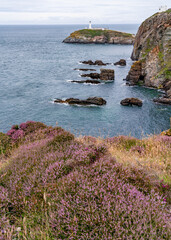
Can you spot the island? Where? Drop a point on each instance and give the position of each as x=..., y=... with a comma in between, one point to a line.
x=100, y=36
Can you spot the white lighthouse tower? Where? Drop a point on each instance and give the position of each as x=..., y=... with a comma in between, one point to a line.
x=90, y=27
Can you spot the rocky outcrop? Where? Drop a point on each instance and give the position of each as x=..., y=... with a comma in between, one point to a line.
x=84, y=69
x=87, y=81
x=121, y=62
x=152, y=53
x=131, y=101
x=100, y=36
x=105, y=75
x=91, y=75
x=89, y=101
x=163, y=100
x=97, y=62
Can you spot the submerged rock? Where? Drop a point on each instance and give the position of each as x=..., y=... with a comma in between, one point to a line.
x=87, y=81
x=121, y=62
x=131, y=101
x=89, y=101
x=85, y=69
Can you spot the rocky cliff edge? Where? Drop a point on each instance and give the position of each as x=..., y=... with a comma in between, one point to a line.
x=152, y=53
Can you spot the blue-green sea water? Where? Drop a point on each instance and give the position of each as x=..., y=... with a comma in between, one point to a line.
x=35, y=68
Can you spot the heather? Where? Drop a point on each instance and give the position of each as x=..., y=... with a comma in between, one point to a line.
x=56, y=186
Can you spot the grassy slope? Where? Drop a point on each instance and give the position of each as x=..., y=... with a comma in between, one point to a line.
x=56, y=186
x=90, y=33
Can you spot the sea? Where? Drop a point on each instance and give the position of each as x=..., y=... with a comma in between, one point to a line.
x=36, y=67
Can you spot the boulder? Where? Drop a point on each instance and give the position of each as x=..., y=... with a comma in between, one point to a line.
x=131, y=101
x=107, y=74
x=87, y=81
x=121, y=62
x=89, y=101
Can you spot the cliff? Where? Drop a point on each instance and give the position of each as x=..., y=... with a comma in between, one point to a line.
x=100, y=36
x=152, y=53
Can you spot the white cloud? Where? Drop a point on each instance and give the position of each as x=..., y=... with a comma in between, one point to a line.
x=74, y=11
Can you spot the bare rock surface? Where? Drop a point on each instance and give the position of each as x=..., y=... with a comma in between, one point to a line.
x=89, y=101
x=105, y=75
x=131, y=101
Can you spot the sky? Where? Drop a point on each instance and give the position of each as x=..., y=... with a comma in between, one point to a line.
x=77, y=11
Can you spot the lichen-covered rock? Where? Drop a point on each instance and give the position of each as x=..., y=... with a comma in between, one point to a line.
x=131, y=101
x=100, y=36
x=152, y=51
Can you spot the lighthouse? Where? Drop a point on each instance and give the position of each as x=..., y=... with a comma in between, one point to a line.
x=90, y=27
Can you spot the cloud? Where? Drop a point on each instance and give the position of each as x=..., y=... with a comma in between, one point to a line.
x=76, y=11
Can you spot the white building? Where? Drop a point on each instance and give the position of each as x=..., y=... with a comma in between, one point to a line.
x=163, y=8
x=90, y=27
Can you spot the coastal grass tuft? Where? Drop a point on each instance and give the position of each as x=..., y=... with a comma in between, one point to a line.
x=56, y=186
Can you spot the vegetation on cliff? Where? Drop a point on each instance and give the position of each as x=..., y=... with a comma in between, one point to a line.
x=56, y=186
x=99, y=36
x=152, y=49
x=93, y=32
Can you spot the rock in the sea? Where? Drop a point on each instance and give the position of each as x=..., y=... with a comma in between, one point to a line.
x=131, y=101
x=97, y=62
x=91, y=75
x=85, y=69
x=89, y=101
x=163, y=100
x=87, y=81
x=89, y=62
x=87, y=36
x=121, y=62
x=152, y=53
x=135, y=74
x=105, y=75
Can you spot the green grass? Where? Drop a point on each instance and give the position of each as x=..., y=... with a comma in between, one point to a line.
x=95, y=32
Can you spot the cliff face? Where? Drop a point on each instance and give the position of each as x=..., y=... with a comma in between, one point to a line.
x=152, y=51
x=100, y=36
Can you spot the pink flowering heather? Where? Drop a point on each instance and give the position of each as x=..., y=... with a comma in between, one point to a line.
x=55, y=187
